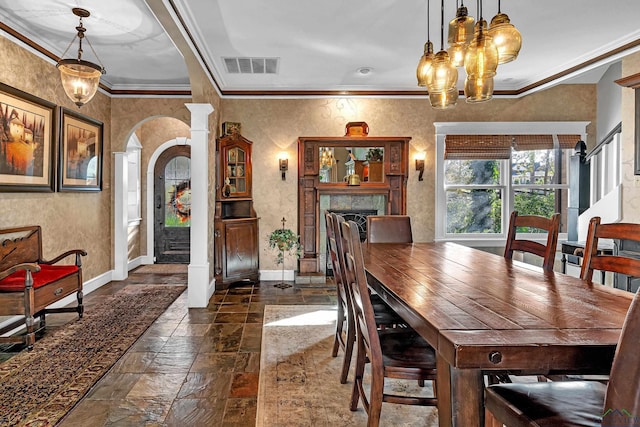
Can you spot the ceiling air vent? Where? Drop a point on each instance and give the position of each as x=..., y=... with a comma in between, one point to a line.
x=251, y=65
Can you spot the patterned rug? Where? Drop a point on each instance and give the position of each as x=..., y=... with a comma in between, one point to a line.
x=39, y=387
x=299, y=380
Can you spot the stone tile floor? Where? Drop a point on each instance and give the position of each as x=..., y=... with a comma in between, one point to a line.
x=192, y=367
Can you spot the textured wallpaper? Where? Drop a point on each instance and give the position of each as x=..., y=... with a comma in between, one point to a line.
x=274, y=126
x=72, y=219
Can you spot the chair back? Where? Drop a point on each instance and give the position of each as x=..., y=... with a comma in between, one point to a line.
x=336, y=254
x=357, y=282
x=616, y=263
x=548, y=251
x=389, y=229
x=623, y=390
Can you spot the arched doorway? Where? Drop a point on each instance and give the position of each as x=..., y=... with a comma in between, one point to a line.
x=172, y=205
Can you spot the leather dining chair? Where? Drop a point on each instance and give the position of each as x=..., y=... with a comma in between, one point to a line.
x=548, y=251
x=392, y=352
x=576, y=403
x=389, y=229
x=345, y=333
x=614, y=263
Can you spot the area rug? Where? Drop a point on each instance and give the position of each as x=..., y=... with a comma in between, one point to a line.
x=299, y=380
x=39, y=387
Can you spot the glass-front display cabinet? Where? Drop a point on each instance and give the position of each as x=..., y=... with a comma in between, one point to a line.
x=235, y=221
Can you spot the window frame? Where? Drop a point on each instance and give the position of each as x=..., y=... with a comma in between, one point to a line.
x=505, y=184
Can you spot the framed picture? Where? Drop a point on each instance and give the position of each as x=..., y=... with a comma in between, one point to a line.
x=230, y=128
x=27, y=138
x=80, y=157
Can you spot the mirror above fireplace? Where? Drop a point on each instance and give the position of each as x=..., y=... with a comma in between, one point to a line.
x=338, y=162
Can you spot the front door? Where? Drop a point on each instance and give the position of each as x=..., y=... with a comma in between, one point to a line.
x=172, y=201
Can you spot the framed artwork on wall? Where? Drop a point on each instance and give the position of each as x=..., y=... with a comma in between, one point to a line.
x=27, y=138
x=80, y=157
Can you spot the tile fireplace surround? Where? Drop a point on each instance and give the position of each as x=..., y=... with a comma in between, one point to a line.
x=352, y=207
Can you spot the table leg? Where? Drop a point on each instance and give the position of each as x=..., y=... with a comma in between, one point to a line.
x=460, y=395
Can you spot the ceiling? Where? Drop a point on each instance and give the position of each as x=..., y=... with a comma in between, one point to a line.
x=321, y=47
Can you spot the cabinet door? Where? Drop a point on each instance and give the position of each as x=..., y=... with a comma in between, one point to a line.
x=241, y=248
x=236, y=170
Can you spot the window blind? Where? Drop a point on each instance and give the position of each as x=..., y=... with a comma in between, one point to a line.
x=479, y=147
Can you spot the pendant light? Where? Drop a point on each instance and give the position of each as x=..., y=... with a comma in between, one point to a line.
x=424, y=65
x=506, y=37
x=443, y=75
x=460, y=34
x=480, y=63
x=80, y=78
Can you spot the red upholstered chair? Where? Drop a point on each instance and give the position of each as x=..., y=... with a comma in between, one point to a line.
x=392, y=352
x=389, y=229
x=615, y=263
x=576, y=403
x=548, y=251
x=345, y=334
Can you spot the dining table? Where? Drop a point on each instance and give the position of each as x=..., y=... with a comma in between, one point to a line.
x=484, y=314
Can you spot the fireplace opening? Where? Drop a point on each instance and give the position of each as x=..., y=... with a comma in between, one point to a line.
x=359, y=216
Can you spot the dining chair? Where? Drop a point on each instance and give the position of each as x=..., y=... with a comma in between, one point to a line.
x=548, y=251
x=576, y=403
x=389, y=229
x=345, y=335
x=616, y=263
x=392, y=352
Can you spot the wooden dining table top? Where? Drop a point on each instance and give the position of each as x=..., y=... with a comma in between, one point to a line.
x=482, y=312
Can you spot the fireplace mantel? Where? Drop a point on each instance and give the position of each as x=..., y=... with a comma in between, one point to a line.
x=393, y=186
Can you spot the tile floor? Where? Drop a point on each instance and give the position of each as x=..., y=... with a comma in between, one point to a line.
x=192, y=367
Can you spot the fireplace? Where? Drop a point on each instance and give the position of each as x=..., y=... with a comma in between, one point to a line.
x=317, y=195
x=355, y=215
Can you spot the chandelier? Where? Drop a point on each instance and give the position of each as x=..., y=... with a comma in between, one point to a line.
x=80, y=78
x=476, y=47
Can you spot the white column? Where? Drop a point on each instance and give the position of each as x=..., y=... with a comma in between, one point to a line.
x=199, y=287
x=120, y=245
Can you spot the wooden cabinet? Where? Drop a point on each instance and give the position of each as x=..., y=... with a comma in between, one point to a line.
x=235, y=221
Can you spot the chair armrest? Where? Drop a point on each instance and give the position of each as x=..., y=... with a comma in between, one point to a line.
x=24, y=266
x=77, y=252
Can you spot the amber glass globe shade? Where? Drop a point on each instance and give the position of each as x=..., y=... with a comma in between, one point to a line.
x=478, y=89
x=444, y=100
x=424, y=65
x=443, y=74
x=456, y=54
x=506, y=38
x=481, y=59
x=461, y=27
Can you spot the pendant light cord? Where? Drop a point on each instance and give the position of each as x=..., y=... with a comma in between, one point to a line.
x=498, y=6
x=442, y=26
x=428, y=34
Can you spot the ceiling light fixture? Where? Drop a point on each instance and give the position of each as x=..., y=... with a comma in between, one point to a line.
x=80, y=78
x=443, y=75
x=506, y=37
x=426, y=59
x=460, y=35
x=480, y=63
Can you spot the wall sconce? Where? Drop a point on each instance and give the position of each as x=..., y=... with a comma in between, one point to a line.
x=284, y=165
x=80, y=78
x=420, y=165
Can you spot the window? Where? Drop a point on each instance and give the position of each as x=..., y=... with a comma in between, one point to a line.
x=482, y=176
x=133, y=182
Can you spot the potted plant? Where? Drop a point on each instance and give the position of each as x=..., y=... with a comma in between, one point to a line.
x=285, y=241
x=374, y=154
